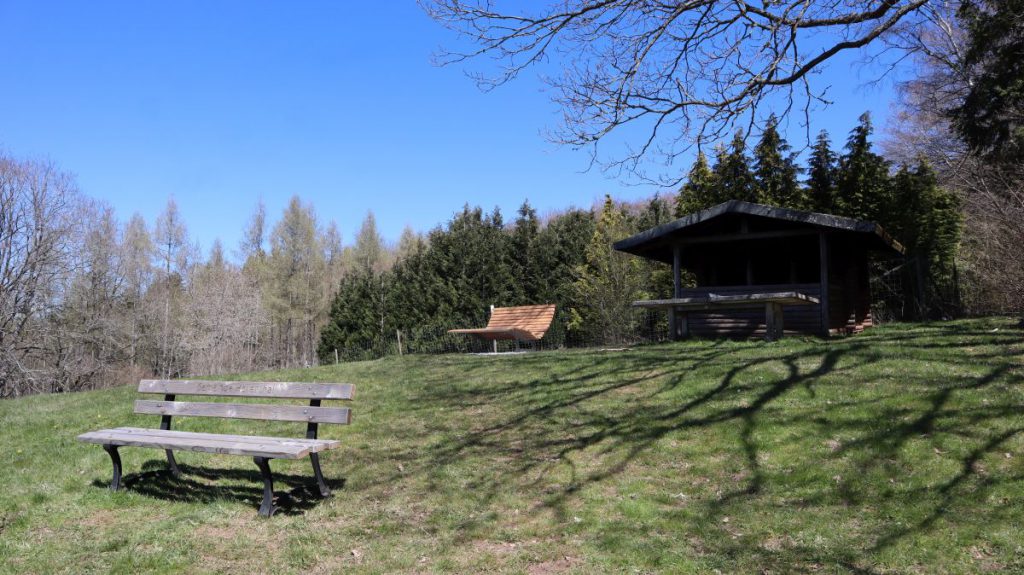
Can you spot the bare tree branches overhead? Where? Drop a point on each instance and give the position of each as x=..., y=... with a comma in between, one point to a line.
x=677, y=73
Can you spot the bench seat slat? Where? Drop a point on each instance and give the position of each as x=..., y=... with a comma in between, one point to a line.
x=277, y=448
x=315, y=445
x=310, y=414
x=278, y=389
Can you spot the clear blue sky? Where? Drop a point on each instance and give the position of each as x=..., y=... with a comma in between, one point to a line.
x=222, y=103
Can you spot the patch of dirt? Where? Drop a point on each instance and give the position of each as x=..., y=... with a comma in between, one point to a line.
x=101, y=518
x=216, y=532
x=775, y=544
x=496, y=547
x=560, y=565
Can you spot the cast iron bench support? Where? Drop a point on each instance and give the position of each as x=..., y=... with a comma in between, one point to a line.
x=267, y=506
x=165, y=424
x=111, y=450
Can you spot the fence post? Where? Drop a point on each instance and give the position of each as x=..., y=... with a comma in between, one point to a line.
x=335, y=356
x=398, y=333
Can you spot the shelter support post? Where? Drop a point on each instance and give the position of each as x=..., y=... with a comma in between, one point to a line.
x=823, y=297
x=677, y=289
x=773, y=321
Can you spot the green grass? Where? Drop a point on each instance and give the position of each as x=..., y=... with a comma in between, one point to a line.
x=900, y=450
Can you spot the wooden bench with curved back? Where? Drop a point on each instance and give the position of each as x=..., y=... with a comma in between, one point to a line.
x=520, y=323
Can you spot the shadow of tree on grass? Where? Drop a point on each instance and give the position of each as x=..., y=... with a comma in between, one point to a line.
x=885, y=397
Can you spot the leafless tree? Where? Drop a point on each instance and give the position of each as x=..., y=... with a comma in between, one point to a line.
x=171, y=241
x=667, y=75
x=39, y=231
x=225, y=317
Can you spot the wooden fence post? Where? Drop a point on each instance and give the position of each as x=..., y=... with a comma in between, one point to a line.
x=398, y=333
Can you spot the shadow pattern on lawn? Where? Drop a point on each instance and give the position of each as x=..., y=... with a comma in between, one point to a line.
x=595, y=408
x=209, y=485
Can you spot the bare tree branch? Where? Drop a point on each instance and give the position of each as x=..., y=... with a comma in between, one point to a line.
x=670, y=75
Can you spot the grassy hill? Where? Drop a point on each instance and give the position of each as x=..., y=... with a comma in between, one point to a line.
x=900, y=450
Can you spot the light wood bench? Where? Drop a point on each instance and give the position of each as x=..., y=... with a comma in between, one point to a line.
x=261, y=449
x=520, y=323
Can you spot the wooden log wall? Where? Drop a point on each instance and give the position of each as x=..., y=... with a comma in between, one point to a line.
x=743, y=323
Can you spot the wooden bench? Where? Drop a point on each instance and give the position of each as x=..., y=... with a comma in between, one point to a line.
x=771, y=301
x=261, y=449
x=520, y=323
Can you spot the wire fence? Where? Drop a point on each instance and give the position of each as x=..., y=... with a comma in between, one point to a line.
x=640, y=327
x=635, y=327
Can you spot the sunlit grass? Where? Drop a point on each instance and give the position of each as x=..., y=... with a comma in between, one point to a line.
x=897, y=450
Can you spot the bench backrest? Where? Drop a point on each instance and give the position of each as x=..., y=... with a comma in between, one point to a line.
x=532, y=319
x=312, y=414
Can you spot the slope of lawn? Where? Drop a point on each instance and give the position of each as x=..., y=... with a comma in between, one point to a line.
x=900, y=450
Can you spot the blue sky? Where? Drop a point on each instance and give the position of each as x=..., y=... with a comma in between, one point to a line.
x=219, y=104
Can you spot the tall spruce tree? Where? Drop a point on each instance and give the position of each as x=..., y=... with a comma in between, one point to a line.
x=522, y=257
x=862, y=182
x=776, y=170
x=699, y=191
x=926, y=220
x=732, y=173
x=990, y=117
x=821, y=176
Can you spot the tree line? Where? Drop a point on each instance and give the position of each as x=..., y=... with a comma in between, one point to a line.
x=452, y=276
x=90, y=300
x=87, y=300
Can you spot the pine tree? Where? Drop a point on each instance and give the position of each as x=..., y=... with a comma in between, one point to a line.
x=523, y=258
x=699, y=191
x=821, y=182
x=775, y=170
x=732, y=172
x=926, y=220
x=863, y=178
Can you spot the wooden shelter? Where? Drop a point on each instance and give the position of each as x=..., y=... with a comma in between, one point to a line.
x=760, y=270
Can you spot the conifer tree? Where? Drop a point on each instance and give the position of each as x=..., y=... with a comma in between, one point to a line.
x=863, y=179
x=775, y=170
x=699, y=191
x=732, y=173
x=821, y=181
x=523, y=258
x=926, y=220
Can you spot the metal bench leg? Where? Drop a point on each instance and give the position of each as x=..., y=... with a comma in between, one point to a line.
x=111, y=450
x=172, y=464
x=267, y=507
x=324, y=490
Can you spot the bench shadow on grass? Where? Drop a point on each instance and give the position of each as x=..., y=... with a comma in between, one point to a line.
x=564, y=413
x=209, y=485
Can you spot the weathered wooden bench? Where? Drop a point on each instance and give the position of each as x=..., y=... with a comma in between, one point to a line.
x=261, y=449
x=771, y=301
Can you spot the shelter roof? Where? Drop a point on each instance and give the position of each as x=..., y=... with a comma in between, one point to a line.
x=744, y=221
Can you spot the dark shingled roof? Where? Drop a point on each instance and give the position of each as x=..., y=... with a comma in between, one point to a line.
x=688, y=226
